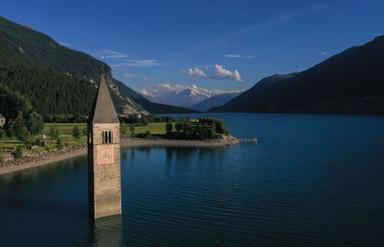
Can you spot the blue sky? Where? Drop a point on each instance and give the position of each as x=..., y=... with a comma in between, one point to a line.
x=220, y=45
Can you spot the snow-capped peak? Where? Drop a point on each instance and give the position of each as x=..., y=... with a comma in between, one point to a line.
x=176, y=94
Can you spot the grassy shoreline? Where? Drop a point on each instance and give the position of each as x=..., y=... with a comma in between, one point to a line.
x=55, y=156
x=9, y=144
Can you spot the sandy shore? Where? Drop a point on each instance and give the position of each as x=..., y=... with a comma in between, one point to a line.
x=51, y=158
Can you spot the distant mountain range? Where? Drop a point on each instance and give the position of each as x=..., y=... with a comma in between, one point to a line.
x=214, y=101
x=351, y=82
x=58, y=80
x=177, y=95
x=193, y=97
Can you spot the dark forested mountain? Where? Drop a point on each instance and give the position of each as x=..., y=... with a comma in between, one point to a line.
x=216, y=100
x=58, y=80
x=349, y=82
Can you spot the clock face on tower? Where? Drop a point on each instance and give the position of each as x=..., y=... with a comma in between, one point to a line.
x=105, y=154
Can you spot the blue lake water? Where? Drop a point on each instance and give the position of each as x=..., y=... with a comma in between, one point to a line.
x=310, y=181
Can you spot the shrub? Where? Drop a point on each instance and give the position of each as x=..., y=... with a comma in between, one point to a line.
x=18, y=153
x=37, y=141
x=178, y=127
x=132, y=129
x=219, y=126
x=60, y=143
x=123, y=130
x=168, y=128
x=146, y=134
x=76, y=132
x=54, y=132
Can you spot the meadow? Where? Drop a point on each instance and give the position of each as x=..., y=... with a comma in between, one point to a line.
x=65, y=133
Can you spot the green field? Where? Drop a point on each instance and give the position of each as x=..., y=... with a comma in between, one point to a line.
x=154, y=128
x=60, y=135
x=65, y=129
x=8, y=144
x=65, y=132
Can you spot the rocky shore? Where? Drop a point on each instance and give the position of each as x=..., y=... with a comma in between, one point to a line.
x=51, y=157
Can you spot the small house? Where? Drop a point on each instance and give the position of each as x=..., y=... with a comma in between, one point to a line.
x=2, y=120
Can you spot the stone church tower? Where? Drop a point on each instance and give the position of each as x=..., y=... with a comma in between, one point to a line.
x=104, y=180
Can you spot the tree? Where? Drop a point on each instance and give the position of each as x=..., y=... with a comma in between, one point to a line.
x=54, y=132
x=187, y=129
x=18, y=153
x=144, y=121
x=12, y=102
x=60, y=143
x=27, y=138
x=123, y=130
x=132, y=129
x=147, y=134
x=168, y=128
x=76, y=133
x=178, y=127
x=219, y=126
x=1, y=155
x=16, y=127
x=35, y=123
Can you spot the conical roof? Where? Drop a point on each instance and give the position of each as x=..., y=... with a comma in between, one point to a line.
x=103, y=110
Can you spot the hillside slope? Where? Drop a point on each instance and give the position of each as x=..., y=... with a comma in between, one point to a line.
x=350, y=82
x=214, y=101
x=58, y=80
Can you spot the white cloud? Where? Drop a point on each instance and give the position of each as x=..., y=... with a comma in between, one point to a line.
x=267, y=24
x=315, y=8
x=324, y=53
x=219, y=73
x=275, y=20
x=196, y=72
x=237, y=56
x=222, y=73
x=117, y=59
x=129, y=75
x=232, y=55
x=110, y=54
x=136, y=63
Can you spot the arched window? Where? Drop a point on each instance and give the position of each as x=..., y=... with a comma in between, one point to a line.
x=106, y=137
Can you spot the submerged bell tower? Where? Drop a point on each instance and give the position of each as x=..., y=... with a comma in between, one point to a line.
x=104, y=178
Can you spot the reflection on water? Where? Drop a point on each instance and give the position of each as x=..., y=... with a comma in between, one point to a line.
x=185, y=155
x=108, y=232
x=310, y=181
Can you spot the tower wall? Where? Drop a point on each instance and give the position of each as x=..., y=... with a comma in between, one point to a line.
x=104, y=171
